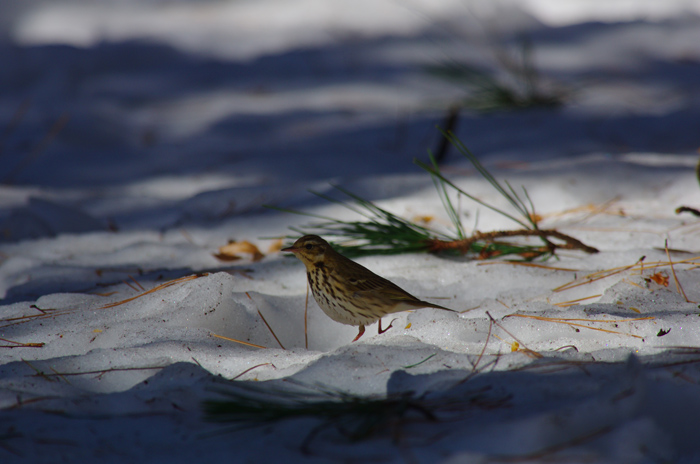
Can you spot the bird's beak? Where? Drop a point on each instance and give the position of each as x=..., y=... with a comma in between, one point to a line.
x=290, y=249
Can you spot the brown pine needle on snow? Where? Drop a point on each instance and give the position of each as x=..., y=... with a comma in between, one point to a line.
x=14, y=344
x=637, y=268
x=580, y=319
x=673, y=271
x=627, y=281
x=306, y=319
x=125, y=282
x=266, y=324
x=22, y=319
x=593, y=277
x=99, y=373
x=137, y=284
x=528, y=264
x=251, y=368
x=162, y=286
x=238, y=341
x=590, y=209
x=483, y=349
x=565, y=304
x=573, y=322
x=525, y=349
x=481, y=355
x=271, y=331
x=45, y=313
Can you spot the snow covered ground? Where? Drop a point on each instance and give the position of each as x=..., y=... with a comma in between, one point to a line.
x=137, y=138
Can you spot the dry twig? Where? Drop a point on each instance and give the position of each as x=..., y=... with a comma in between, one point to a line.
x=464, y=245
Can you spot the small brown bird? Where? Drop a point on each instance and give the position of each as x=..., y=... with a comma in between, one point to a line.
x=348, y=292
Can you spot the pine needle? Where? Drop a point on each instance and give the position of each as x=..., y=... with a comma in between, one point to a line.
x=162, y=286
x=100, y=372
x=565, y=304
x=673, y=271
x=419, y=362
x=447, y=202
x=14, y=344
x=251, y=368
x=238, y=341
x=137, y=284
x=384, y=233
x=271, y=331
x=514, y=84
x=306, y=318
x=527, y=350
x=529, y=264
x=637, y=268
x=571, y=322
x=483, y=349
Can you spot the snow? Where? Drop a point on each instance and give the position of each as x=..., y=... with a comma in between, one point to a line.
x=140, y=137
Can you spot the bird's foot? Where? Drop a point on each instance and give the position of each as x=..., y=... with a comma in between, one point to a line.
x=391, y=324
x=362, y=330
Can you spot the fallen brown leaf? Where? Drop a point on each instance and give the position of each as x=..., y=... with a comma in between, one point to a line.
x=660, y=279
x=229, y=252
x=275, y=246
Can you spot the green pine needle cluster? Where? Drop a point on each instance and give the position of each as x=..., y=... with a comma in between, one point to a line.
x=384, y=233
x=525, y=209
x=518, y=85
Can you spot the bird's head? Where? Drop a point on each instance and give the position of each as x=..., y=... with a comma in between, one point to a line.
x=310, y=249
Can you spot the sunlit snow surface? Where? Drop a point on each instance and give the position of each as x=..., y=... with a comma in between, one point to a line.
x=139, y=137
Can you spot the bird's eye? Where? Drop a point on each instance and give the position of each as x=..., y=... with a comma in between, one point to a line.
x=309, y=246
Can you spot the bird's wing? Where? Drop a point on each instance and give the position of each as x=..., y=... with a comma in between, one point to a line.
x=361, y=280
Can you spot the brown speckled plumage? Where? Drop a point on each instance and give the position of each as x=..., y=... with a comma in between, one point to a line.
x=348, y=292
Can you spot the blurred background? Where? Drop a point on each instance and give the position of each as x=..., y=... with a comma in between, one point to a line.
x=123, y=114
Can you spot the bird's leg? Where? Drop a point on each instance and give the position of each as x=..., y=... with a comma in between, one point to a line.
x=391, y=324
x=362, y=330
